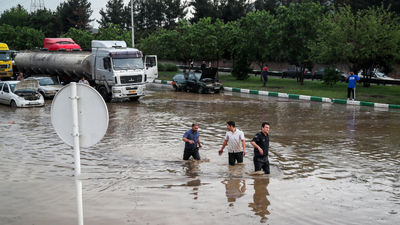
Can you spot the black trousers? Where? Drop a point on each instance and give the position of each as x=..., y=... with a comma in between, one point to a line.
x=261, y=162
x=265, y=78
x=235, y=157
x=191, y=152
x=349, y=92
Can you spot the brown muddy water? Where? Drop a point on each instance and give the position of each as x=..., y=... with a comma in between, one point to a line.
x=331, y=164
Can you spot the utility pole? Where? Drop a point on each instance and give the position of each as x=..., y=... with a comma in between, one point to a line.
x=132, y=25
x=37, y=5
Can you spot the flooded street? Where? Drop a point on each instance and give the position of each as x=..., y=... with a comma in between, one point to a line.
x=331, y=164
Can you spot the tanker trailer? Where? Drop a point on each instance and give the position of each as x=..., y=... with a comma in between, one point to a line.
x=116, y=71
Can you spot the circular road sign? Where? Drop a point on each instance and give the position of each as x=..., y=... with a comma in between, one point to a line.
x=92, y=115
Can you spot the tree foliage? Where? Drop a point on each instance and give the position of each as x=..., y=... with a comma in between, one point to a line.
x=114, y=13
x=366, y=40
x=82, y=38
x=16, y=16
x=74, y=13
x=21, y=38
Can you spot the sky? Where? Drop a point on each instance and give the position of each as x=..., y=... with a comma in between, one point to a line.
x=52, y=4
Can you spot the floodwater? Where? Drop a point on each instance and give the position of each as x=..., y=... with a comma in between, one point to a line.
x=331, y=164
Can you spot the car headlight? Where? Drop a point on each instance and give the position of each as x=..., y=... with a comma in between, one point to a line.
x=116, y=91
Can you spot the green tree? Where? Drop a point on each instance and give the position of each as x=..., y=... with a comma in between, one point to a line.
x=366, y=40
x=297, y=26
x=114, y=32
x=74, y=13
x=259, y=37
x=114, y=14
x=268, y=5
x=21, y=38
x=203, y=9
x=82, y=38
x=16, y=16
x=46, y=21
x=231, y=10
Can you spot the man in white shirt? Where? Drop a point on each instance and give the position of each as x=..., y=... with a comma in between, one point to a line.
x=234, y=138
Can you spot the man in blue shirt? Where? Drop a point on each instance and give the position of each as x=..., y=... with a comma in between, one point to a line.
x=352, y=79
x=192, y=143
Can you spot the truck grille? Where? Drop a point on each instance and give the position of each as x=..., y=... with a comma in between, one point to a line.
x=131, y=79
x=4, y=66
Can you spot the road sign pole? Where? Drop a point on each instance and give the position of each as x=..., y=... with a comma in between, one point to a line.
x=77, y=156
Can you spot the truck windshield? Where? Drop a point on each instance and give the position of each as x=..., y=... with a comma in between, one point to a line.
x=128, y=63
x=5, y=56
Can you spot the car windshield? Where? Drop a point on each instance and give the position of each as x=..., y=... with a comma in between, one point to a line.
x=179, y=77
x=5, y=56
x=47, y=81
x=128, y=63
x=198, y=76
x=12, y=87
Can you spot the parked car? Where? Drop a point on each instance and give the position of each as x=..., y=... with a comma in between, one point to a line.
x=20, y=93
x=48, y=86
x=179, y=82
x=320, y=74
x=61, y=44
x=205, y=82
x=294, y=70
x=376, y=74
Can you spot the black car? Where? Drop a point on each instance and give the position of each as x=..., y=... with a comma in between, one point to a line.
x=294, y=71
x=205, y=82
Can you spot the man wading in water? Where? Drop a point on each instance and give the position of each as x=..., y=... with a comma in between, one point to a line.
x=261, y=145
x=192, y=143
x=233, y=138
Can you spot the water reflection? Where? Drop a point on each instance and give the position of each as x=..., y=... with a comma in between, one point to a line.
x=260, y=200
x=192, y=170
x=234, y=188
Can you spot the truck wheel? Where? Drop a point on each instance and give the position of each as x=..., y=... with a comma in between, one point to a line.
x=200, y=90
x=103, y=92
x=13, y=104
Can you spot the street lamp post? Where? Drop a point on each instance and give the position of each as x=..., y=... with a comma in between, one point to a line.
x=132, y=26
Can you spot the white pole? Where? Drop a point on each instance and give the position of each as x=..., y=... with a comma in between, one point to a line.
x=132, y=25
x=77, y=157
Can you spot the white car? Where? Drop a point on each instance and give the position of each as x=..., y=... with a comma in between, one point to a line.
x=377, y=75
x=48, y=86
x=20, y=93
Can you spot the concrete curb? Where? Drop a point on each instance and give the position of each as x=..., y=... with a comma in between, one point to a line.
x=301, y=97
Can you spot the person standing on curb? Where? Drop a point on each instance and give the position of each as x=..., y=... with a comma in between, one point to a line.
x=192, y=143
x=260, y=143
x=235, y=140
x=264, y=74
x=352, y=79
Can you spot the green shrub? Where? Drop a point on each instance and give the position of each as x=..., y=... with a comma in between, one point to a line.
x=331, y=76
x=168, y=67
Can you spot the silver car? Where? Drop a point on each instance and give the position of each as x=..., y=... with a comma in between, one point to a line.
x=48, y=86
x=20, y=93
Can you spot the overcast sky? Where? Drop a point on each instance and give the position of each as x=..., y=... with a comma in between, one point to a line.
x=52, y=4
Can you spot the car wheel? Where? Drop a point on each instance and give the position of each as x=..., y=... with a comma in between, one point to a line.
x=176, y=88
x=13, y=104
x=216, y=91
x=200, y=90
x=42, y=93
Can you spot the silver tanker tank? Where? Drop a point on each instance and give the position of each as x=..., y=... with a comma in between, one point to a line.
x=67, y=65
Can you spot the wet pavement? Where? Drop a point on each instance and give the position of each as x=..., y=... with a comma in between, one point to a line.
x=331, y=164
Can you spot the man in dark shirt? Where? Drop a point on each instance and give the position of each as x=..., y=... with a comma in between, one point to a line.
x=261, y=145
x=192, y=143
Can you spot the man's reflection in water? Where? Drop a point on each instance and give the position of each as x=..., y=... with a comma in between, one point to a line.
x=235, y=188
x=192, y=171
x=260, y=201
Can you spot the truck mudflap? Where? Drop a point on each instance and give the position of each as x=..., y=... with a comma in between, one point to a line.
x=130, y=91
